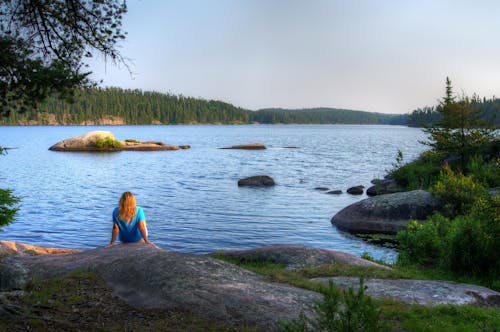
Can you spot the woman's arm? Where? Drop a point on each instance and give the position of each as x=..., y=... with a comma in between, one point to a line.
x=114, y=234
x=144, y=231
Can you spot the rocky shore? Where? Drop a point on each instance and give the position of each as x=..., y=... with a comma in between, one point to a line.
x=147, y=278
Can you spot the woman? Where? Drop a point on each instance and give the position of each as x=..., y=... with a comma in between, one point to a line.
x=129, y=221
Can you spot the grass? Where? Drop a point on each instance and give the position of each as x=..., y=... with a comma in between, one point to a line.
x=398, y=316
x=439, y=318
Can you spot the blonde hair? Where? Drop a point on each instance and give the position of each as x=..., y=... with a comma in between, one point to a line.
x=126, y=206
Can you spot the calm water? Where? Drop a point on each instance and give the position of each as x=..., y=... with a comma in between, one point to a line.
x=190, y=197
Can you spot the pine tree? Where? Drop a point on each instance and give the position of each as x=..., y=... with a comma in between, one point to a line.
x=460, y=132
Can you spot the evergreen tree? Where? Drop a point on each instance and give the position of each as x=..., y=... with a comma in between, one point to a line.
x=43, y=42
x=461, y=132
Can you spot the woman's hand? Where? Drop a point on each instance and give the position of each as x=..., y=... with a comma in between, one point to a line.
x=109, y=245
x=153, y=245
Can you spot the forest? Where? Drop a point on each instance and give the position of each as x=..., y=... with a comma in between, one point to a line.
x=487, y=109
x=134, y=107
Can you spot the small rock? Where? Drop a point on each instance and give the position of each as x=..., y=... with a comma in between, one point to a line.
x=384, y=186
x=257, y=181
x=334, y=192
x=322, y=188
x=357, y=190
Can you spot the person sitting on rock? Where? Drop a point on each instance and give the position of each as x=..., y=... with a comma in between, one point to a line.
x=129, y=222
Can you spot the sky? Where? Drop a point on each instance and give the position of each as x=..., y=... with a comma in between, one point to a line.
x=387, y=56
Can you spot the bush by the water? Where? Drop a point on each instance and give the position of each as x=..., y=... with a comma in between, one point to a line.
x=8, y=206
x=107, y=142
x=457, y=191
x=340, y=310
x=419, y=174
x=466, y=244
x=487, y=173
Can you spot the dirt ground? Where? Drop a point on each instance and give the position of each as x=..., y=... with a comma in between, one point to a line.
x=84, y=302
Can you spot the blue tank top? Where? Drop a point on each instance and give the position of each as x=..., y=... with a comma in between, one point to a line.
x=129, y=232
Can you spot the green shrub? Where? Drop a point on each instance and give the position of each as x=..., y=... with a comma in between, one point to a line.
x=102, y=143
x=486, y=173
x=340, y=311
x=8, y=206
x=8, y=202
x=458, y=191
x=466, y=245
x=418, y=174
x=474, y=240
x=422, y=244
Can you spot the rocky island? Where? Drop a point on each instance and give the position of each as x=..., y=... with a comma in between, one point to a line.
x=105, y=141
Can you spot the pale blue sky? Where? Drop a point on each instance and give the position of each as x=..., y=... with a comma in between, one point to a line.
x=388, y=56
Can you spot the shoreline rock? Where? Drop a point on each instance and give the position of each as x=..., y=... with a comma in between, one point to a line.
x=386, y=214
x=149, y=278
x=383, y=186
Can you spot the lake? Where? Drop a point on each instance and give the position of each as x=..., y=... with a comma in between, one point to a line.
x=190, y=197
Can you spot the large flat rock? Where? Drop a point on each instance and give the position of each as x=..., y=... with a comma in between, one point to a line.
x=424, y=292
x=298, y=257
x=147, y=277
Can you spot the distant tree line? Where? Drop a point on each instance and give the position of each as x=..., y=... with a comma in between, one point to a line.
x=130, y=107
x=96, y=106
x=324, y=116
x=488, y=109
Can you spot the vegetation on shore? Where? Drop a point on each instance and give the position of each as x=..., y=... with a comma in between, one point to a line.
x=429, y=116
x=463, y=238
x=59, y=304
x=120, y=106
x=8, y=202
x=341, y=310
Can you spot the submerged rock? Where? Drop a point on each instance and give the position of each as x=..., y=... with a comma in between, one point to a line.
x=252, y=146
x=386, y=214
x=257, y=181
x=105, y=141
